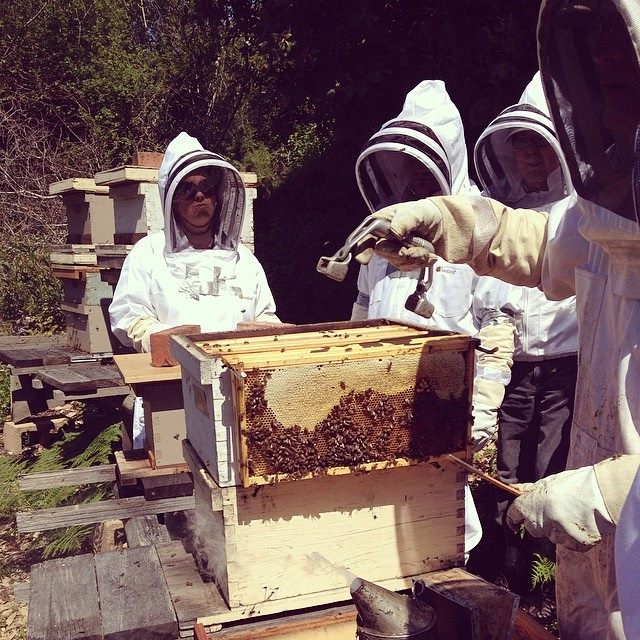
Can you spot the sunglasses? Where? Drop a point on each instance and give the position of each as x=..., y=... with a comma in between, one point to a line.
x=189, y=190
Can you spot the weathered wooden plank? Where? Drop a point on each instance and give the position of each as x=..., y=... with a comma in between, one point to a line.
x=36, y=356
x=90, y=513
x=159, y=487
x=132, y=467
x=63, y=600
x=134, y=598
x=67, y=379
x=124, y=174
x=329, y=623
x=191, y=596
x=144, y=530
x=104, y=375
x=29, y=342
x=21, y=591
x=76, y=184
x=67, y=477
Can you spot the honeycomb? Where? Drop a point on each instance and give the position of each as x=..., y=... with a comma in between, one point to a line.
x=303, y=420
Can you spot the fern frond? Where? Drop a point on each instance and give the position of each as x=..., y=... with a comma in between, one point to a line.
x=65, y=542
x=543, y=570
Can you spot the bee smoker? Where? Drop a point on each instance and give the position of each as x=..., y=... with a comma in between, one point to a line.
x=386, y=615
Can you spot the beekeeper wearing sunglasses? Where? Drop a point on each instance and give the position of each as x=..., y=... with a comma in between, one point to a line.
x=197, y=271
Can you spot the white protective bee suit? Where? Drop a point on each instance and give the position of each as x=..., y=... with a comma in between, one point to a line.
x=536, y=414
x=165, y=282
x=595, y=254
x=429, y=133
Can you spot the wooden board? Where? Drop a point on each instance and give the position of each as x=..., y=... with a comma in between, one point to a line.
x=135, y=464
x=124, y=174
x=63, y=600
x=328, y=623
x=145, y=530
x=161, y=487
x=81, y=377
x=75, y=259
x=67, y=477
x=192, y=598
x=136, y=368
x=21, y=357
x=91, y=513
x=134, y=599
x=76, y=184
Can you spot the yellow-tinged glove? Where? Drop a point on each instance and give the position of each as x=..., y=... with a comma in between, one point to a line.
x=568, y=508
x=487, y=398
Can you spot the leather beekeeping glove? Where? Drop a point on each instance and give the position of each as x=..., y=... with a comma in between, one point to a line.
x=487, y=398
x=140, y=330
x=568, y=508
x=491, y=238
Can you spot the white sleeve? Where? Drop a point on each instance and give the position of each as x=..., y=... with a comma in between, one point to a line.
x=133, y=318
x=265, y=304
x=360, y=309
x=565, y=250
x=627, y=554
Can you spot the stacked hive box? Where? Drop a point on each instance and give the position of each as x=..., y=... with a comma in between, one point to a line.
x=318, y=454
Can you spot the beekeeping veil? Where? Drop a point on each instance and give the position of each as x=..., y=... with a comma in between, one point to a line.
x=572, y=35
x=494, y=154
x=183, y=155
x=419, y=153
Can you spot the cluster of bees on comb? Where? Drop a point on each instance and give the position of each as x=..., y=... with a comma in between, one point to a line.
x=363, y=427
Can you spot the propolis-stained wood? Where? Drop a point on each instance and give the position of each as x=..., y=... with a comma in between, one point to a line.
x=293, y=402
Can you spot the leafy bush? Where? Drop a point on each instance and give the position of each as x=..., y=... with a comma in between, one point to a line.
x=30, y=295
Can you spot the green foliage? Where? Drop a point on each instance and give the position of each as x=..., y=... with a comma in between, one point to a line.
x=30, y=296
x=76, y=449
x=65, y=542
x=543, y=571
x=291, y=90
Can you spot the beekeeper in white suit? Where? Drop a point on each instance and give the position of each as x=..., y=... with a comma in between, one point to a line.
x=197, y=271
x=519, y=162
x=418, y=153
x=588, y=54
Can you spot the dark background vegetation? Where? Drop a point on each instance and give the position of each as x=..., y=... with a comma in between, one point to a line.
x=288, y=89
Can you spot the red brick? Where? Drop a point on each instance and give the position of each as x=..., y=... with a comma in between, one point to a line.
x=160, y=351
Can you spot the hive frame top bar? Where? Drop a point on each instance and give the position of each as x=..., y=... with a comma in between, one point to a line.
x=315, y=327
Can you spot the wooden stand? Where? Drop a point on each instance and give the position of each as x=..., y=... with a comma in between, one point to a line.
x=161, y=391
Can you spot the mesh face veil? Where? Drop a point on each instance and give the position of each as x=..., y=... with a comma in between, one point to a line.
x=519, y=145
x=404, y=161
x=588, y=53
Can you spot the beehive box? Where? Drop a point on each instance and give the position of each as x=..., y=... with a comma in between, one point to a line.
x=89, y=210
x=324, y=399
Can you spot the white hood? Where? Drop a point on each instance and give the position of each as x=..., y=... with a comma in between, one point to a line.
x=600, y=173
x=494, y=157
x=183, y=155
x=430, y=130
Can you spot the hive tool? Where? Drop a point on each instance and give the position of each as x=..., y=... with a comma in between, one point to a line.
x=365, y=235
